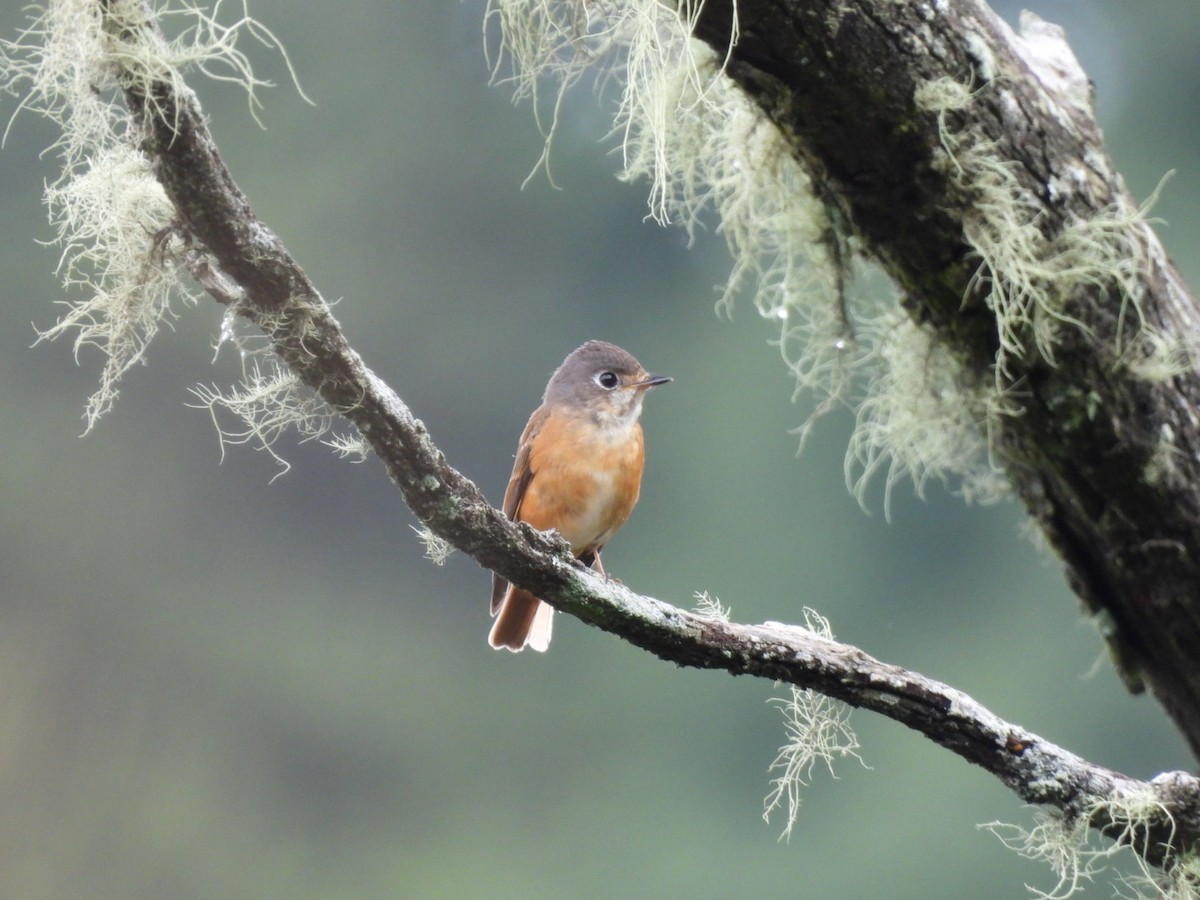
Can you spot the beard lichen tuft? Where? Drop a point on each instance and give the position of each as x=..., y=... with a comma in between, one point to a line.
x=114, y=223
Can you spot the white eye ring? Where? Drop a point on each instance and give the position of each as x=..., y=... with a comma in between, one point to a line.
x=607, y=380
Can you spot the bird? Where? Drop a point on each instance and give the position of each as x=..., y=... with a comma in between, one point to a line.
x=578, y=470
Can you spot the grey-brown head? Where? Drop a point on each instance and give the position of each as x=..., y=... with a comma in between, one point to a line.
x=601, y=380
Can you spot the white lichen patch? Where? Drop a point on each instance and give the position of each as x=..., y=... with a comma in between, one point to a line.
x=1054, y=61
x=981, y=53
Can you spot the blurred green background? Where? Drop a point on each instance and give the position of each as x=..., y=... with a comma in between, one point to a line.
x=216, y=685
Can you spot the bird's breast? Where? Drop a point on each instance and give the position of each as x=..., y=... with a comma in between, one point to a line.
x=586, y=480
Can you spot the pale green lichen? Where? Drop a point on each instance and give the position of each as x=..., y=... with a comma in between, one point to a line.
x=1028, y=275
x=437, y=548
x=268, y=402
x=818, y=732
x=113, y=222
x=918, y=421
x=112, y=218
x=1078, y=855
x=710, y=606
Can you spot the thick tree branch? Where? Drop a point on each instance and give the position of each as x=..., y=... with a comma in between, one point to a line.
x=1104, y=454
x=232, y=246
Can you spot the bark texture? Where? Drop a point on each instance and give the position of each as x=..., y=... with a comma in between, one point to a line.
x=1104, y=457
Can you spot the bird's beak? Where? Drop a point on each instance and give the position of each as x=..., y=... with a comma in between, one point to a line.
x=651, y=381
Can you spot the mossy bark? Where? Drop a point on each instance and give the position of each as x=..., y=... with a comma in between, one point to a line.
x=1103, y=456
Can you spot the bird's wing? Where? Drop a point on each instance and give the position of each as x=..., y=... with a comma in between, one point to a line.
x=522, y=474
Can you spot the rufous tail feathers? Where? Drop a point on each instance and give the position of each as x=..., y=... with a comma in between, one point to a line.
x=523, y=621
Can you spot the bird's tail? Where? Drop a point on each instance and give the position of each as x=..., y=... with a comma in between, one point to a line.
x=523, y=621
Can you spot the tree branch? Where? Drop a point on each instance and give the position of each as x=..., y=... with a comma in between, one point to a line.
x=241, y=261
x=1001, y=216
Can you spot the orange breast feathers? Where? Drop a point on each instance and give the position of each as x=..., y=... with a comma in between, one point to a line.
x=584, y=480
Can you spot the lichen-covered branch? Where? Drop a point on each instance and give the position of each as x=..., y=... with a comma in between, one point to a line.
x=241, y=262
x=998, y=211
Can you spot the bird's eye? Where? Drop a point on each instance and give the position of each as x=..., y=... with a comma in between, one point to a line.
x=607, y=380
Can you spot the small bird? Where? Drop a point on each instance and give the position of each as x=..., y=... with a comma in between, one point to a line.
x=578, y=471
